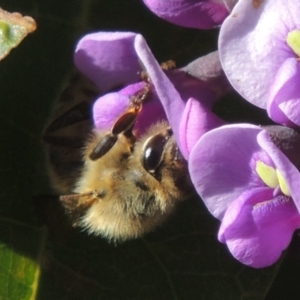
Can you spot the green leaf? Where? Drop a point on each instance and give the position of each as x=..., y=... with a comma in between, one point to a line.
x=29, y=83
x=20, y=259
x=13, y=29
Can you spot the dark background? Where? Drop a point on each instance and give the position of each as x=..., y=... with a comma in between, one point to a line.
x=183, y=259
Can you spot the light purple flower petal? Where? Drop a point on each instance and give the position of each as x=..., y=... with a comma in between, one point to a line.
x=108, y=59
x=108, y=108
x=287, y=140
x=174, y=99
x=201, y=14
x=283, y=164
x=95, y=58
x=257, y=228
x=152, y=110
x=209, y=70
x=220, y=165
x=196, y=120
x=253, y=46
x=258, y=220
x=229, y=4
x=166, y=92
x=190, y=87
x=284, y=98
x=151, y=113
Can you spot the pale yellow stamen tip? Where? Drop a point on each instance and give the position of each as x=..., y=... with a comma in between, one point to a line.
x=293, y=40
x=267, y=174
x=282, y=183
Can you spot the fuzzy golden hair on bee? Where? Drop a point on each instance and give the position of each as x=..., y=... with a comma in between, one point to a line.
x=128, y=194
x=125, y=185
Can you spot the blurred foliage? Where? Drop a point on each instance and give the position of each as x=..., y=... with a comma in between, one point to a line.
x=181, y=260
x=13, y=29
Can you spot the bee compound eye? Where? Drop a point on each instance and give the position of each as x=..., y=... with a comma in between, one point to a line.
x=153, y=152
x=103, y=146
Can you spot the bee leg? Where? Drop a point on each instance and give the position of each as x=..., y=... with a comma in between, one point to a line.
x=103, y=146
x=75, y=207
x=123, y=125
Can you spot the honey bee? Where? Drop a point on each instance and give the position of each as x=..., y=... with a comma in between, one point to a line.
x=113, y=183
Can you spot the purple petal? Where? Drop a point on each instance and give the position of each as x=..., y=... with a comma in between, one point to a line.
x=257, y=228
x=132, y=89
x=108, y=59
x=173, y=100
x=166, y=92
x=220, y=165
x=283, y=164
x=190, y=87
x=108, y=108
x=229, y=4
x=287, y=140
x=152, y=110
x=253, y=46
x=284, y=98
x=151, y=113
x=196, y=120
x=190, y=13
x=208, y=69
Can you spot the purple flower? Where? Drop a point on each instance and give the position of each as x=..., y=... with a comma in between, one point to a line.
x=113, y=60
x=201, y=14
x=109, y=107
x=252, y=187
x=259, y=51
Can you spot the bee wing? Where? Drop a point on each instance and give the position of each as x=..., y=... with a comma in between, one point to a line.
x=73, y=107
x=68, y=130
